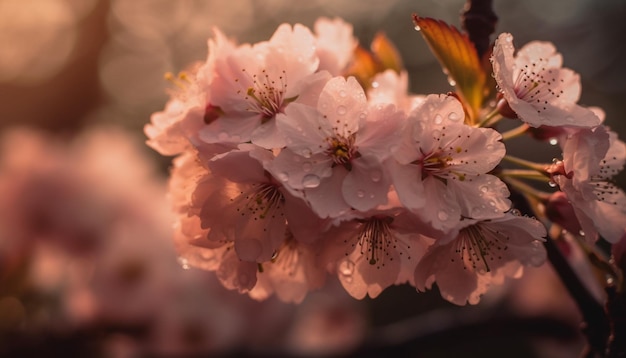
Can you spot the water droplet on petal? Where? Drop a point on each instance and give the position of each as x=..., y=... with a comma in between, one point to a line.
x=310, y=181
x=222, y=136
x=363, y=115
x=489, y=147
x=553, y=141
x=515, y=212
x=306, y=167
x=442, y=215
x=451, y=81
x=183, y=263
x=418, y=28
x=360, y=193
x=342, y=93
x=307, y=153
x=284, y=176
x=492, y=203
x=346, y=267
x=375, y=84
x=552, y=184
x=453, y=116
x=438, y=119
x=484, y=188
x=376, y=175
x=581, y=233
x=341, y=110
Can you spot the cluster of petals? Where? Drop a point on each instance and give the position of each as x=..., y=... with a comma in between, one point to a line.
x=296, y=172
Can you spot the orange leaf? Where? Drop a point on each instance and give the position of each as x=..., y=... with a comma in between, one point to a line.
x=386, y=53
x=459, y=59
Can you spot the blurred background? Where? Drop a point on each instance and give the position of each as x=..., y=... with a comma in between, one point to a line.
x=68, y=65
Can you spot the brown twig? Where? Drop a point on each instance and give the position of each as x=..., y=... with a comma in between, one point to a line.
x=479, y=21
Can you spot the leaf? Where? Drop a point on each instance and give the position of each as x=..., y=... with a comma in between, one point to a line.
x=386, y=53
x=459, y=59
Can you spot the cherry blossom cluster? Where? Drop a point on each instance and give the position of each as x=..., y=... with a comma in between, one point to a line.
x=290, y=170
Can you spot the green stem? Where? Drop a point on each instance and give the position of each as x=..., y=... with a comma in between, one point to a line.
x=515, y=132
x=526, y=163
x=527, y=189
x=492, y=118
x=524, y=173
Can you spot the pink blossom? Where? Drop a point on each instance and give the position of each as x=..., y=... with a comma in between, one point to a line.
x=252, y=84
x=392, y=87
x=369, y=251
x=439, y=169
x=536, y=87
x=335, y=44
x=335, y=151
x=591, y=157
x=292, y=273
x=481, y=254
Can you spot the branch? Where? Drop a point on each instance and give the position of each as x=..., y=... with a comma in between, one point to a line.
x=479, y=21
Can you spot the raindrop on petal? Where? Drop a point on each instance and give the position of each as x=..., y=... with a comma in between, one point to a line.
x=306, y=167
x=553, y=141
x=360, y=193
x=442, y=215
x=453, y=116
x=346, y=268
x=376, y=175
x=341, y=110
x=310, y=181
x=284, y=176
x=438, y=119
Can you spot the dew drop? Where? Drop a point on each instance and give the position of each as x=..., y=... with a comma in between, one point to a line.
x=418, y=28
x=553, y=141
x=341, y=110
x=307, y=153
x=451, y=81
x=375, y=84
x=515, y=212
x=581, y=233
x=310, y=181
x=438, y=119
x=492, y=203
x=376, y=175
x=610, y=280
x=363, y=115
x=183, y=263
x=552, y=184
x=284, y=176
x=481, y=271
x=442, y=215
x=484, y=188
x=346, y=268
x=489, y=147
x=342, y=93
x=360, y=193
x=306, y=167
x=222, y=136
x=453, y=116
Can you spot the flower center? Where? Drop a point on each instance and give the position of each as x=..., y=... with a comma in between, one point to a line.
x=266, y=96
x=534, y=84
x=375, y=239
x=261, y=202
x=342, y=150
x=479, y=245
